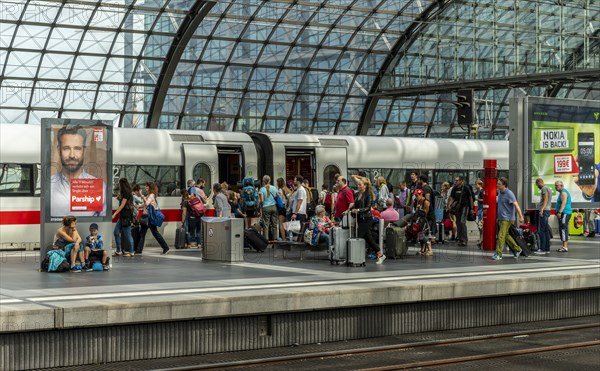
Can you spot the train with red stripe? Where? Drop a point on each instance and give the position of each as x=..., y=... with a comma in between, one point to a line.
x=170, y=157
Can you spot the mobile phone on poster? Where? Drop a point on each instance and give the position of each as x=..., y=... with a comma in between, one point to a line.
x=585, y=158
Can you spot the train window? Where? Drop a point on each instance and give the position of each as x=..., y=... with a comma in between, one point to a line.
x=17, y=180
x=392, y=176
x=329, y=176
x=166, y=177
x=441, y=176
x=202, y=171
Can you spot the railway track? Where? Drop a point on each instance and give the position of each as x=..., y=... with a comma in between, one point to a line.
x=420, y=346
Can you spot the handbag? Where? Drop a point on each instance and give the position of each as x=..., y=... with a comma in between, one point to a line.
x=279, y=203
x=155, y=216
x=293, y=226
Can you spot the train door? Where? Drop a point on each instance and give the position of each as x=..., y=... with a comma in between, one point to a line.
x=201, y=161
x=300, y=162
x=330, y=161
x=231, y=166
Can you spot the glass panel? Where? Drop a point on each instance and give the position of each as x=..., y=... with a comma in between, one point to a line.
x=16, y=179
x=166, y=177
x=201, y=173
x=48, y=94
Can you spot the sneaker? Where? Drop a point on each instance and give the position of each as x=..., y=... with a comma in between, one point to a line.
x=380, y=259
x=165, y=252
x=496, y=257
x=541, y=252
x=126, y=255
x=75, y=269
x=517, y=253
x=429, y=253
x=88, y=267
x=105, y=267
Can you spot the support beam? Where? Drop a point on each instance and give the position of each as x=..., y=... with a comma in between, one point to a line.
x=189, y=25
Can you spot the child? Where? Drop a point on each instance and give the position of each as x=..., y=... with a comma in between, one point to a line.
x=94, y=248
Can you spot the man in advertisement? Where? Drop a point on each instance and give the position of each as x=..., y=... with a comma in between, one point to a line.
x=73, y=191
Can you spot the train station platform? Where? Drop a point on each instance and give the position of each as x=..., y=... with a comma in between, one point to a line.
x=154, y=306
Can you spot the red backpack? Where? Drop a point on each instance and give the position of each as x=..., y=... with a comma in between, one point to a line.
x=328, y=199
x=196, y=207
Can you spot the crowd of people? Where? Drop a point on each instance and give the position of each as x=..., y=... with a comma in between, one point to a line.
x=414, y=203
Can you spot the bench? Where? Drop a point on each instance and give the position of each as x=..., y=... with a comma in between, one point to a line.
x=298, y=245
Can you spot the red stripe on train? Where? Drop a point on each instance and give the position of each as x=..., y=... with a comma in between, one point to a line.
x=19, y=217
x=33, y=217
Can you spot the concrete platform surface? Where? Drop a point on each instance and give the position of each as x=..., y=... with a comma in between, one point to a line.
x=181, y=285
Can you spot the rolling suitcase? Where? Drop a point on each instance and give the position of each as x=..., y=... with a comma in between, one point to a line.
x=441, y=232
x=518, y=237
x=339, y=241
x=395, y=239
x=356, y=251
x=255, y=240
x=180, y=238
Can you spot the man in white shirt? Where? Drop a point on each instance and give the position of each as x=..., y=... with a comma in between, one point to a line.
x=299, y=208
x=71, y=151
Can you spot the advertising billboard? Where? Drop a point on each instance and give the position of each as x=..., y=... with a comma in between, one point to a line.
x=78, y=172
x=556, y=140
x=564, y=146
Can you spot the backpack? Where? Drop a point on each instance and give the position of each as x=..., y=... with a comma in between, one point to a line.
x=249, y=195
x=196, y=207
x=328, y=199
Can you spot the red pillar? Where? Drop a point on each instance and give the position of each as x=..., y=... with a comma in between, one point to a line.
x=490, y=177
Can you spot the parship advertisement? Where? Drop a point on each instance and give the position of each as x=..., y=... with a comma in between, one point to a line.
x=565, y=143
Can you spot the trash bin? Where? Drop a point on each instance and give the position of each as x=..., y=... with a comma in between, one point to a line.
x=223, y=239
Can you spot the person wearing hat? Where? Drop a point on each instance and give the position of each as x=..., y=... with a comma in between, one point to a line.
x=94, y=248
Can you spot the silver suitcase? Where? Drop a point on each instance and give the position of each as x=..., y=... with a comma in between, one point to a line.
x=339, y=241
x=356, y=250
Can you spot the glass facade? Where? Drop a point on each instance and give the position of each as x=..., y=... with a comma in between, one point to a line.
x=286, y=66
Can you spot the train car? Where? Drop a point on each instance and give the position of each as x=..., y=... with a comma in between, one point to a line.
x=170, y=157
x=319, y=157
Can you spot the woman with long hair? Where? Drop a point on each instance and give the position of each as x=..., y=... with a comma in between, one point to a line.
x=150, y=199
x=125, y=212
x=383, y=193
x=266, y=197
x=362, y=212
x=284, y=193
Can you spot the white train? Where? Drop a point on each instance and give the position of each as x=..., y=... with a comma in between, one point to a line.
x=169, y=157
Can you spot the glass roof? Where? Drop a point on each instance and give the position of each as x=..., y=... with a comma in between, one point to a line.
x=282, y=65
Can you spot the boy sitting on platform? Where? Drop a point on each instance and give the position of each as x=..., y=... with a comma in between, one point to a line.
x=94, y=248
x=67, y=239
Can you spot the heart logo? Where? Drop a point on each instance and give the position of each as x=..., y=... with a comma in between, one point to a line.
x=98, y=198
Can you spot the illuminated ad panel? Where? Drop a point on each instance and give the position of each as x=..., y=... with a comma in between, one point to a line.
x=78, y=162
x=564, y=143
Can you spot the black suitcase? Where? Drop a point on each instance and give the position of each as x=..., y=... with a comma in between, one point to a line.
x=180, y=238
x=514, y=233
x=441, y=233
x=255, y=240
x=395, y=242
